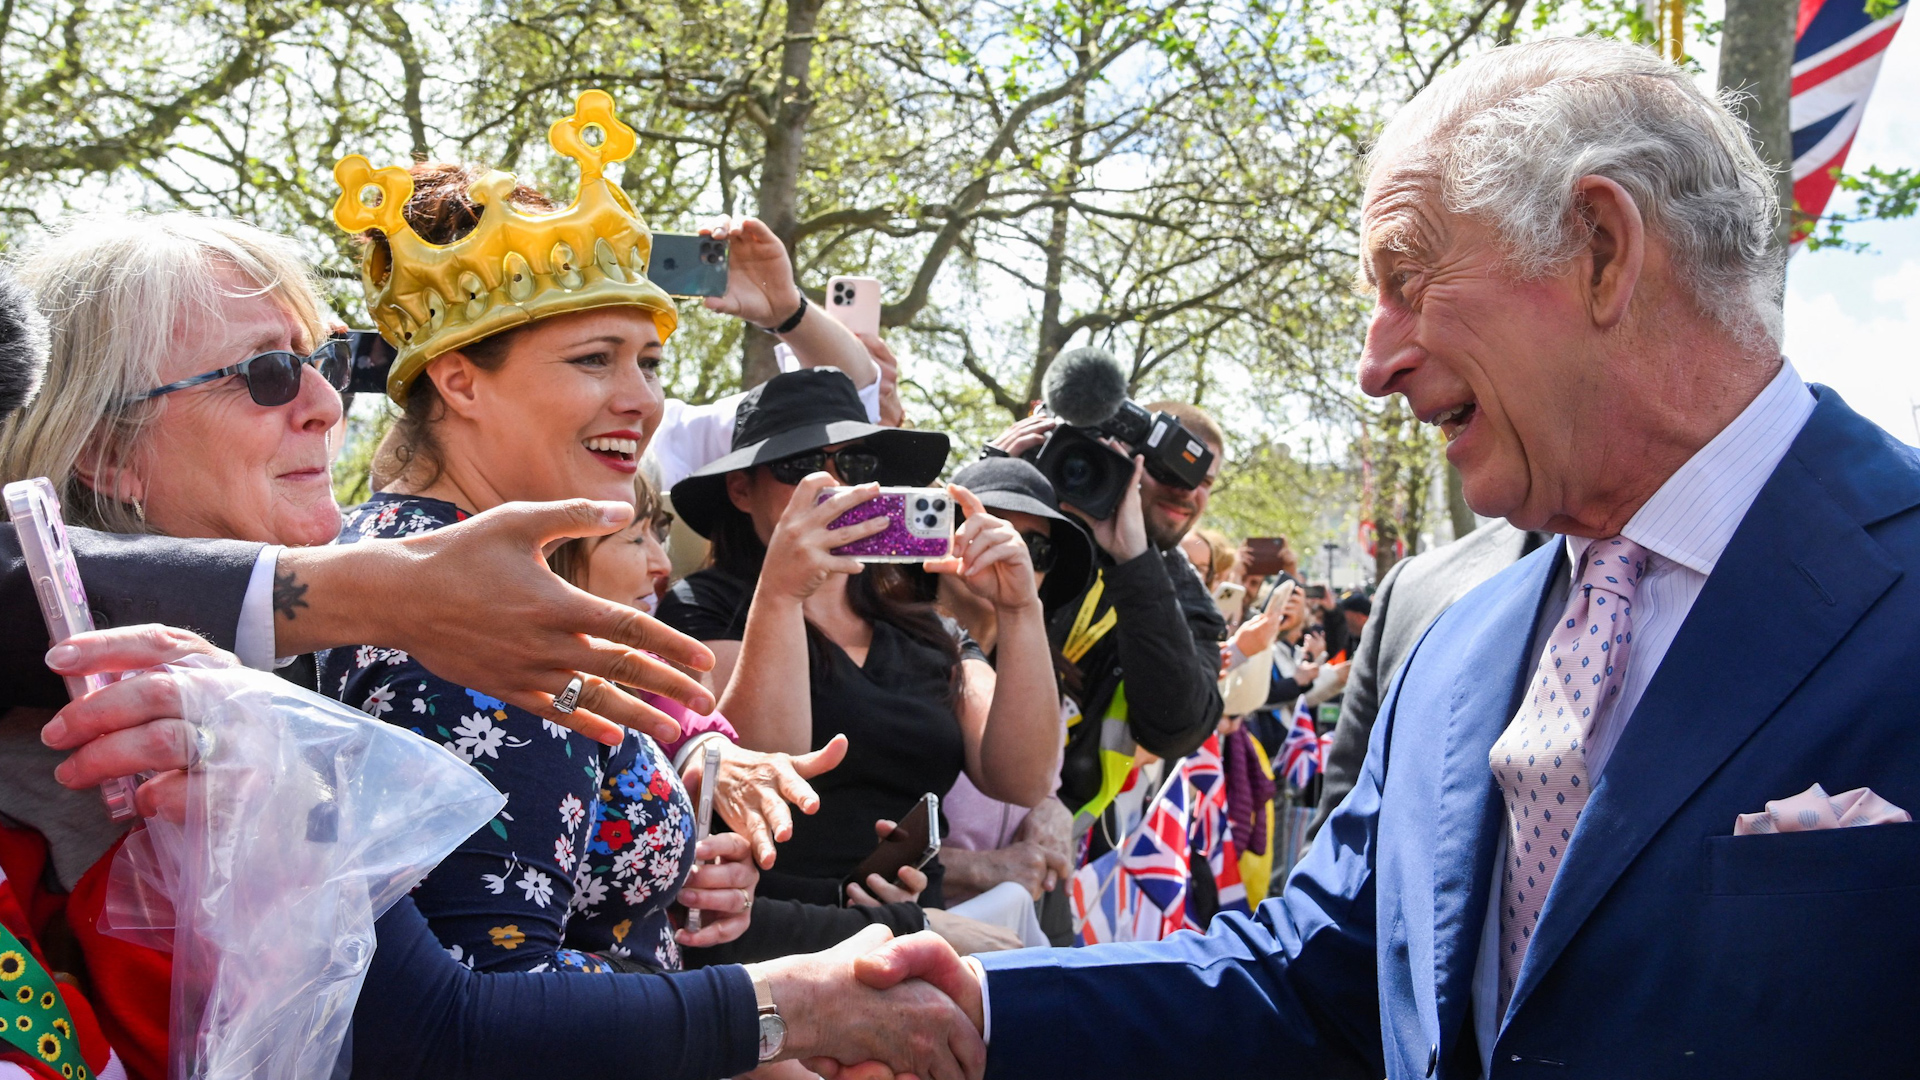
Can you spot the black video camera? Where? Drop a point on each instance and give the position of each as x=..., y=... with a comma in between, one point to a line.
x=1087, y=390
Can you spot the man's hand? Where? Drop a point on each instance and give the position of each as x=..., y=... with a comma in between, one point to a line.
x=836, y=1021
x=755, y=789
x=476, y=604
x=926, y=957
x=1026, y=434
x=1124, y=535
x=133, y=725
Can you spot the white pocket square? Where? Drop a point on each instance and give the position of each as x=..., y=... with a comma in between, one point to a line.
x=1815, y=809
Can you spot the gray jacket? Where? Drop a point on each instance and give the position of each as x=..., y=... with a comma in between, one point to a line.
x=1412, y=595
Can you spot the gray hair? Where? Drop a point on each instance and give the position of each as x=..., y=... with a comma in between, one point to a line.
x=117, y=289
x=1511, y=131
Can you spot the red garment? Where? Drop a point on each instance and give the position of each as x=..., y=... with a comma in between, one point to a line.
x=26, y=907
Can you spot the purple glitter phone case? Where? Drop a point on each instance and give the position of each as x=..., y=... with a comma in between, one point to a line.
x=921, y=529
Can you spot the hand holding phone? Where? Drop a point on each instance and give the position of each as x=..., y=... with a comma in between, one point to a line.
x=920, y=525
x=35, y=509
x=913, y=842
x=687, y=266
x=703, y=826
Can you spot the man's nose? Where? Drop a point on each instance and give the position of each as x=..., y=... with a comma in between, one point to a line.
x=1390, y=353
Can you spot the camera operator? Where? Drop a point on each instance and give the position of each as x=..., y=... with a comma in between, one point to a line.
x=1144, y=639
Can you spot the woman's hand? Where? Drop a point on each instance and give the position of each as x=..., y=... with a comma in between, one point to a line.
x=989, y=558
x=755, y=789
x=760, y=285
x=1313, y=653
x=133, y=725
x=800, y=551
x=722, y=890
x=969, y=936
x=1293, y=618
x=878, y=890
x=1257, y=634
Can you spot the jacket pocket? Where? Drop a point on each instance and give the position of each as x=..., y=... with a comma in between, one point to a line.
x=1864, y=858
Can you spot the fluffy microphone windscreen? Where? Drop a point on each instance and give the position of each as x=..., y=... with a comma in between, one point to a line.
x=23, y=345
x=1084, y=387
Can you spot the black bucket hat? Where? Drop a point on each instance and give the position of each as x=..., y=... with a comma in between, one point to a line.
x=799, y=411
x=1011, y=483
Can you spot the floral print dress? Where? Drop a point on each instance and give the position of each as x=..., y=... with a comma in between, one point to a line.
x=577, y=871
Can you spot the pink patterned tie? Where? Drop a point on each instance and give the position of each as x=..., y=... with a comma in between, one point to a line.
x=1539, y=762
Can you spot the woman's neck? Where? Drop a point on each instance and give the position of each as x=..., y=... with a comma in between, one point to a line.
x=979, y=618
x=458, y=480
x=829, y=610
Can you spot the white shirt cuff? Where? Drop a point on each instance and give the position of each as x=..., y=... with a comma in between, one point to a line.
x=986, y=1004
x=870, y=397
x=253, y=638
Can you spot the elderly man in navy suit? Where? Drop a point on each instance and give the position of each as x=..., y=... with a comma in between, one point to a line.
x=1587, y=840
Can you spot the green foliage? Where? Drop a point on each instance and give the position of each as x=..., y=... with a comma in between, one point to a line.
x=1883, y=195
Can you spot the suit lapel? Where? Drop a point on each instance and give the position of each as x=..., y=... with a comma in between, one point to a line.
x=1466, y=834
x=1797, y=575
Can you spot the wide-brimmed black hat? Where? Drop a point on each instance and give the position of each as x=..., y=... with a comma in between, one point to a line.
x=1011, y=483
x=798, y=411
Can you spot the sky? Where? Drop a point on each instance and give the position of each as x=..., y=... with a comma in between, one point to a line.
x=1853, y=320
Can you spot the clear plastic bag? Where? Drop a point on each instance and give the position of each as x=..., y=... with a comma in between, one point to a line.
x=306, y=820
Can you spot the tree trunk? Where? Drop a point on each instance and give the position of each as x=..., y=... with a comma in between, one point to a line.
x=1458, y=511
x=1756, y=59
x=788, y=112
x=1048, y=341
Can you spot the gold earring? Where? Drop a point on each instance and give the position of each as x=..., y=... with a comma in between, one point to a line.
x=139, y=511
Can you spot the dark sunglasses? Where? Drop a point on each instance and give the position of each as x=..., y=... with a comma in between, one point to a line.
x=1041, y=550
x=273, y=378
x=855, y=464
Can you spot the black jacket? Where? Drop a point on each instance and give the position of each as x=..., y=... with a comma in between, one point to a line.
x=196, y=584
x=1165, y=646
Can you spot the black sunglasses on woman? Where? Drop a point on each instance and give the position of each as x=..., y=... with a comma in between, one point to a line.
x=855, y=463
x=273, y=378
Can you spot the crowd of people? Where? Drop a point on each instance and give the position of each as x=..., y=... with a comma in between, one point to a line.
x=177, y=375
x=510, y=591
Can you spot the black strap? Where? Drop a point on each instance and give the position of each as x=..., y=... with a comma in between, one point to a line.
x=793, y=320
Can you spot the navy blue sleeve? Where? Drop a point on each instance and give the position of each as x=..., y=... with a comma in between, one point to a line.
x=1291, y=990
x=421, y=1013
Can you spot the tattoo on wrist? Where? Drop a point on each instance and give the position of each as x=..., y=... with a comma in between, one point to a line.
x=289, y=594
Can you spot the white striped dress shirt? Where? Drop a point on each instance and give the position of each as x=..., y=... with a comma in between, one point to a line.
x=1684, y=527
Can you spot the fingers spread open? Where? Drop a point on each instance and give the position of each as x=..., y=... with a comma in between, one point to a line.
x=583, y=720
x=614, y=661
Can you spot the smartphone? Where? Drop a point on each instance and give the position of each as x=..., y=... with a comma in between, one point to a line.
x=35, y=510
x=710, y=769
x=855, y=302
x=1227, y=596
x=1316, y=592
x=922, y=526
x=1263, y=554
x=914, y=841
x=688, y=265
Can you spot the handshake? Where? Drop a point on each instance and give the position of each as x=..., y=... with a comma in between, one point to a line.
x=878, y=1008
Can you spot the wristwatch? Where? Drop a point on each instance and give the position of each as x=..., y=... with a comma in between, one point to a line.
x=773, y=1030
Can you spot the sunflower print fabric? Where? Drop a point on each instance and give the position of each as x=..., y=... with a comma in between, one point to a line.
x=577, y=872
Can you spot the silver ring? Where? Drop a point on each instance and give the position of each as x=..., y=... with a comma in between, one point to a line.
x=746, y=900
x=569, y=698
x=201, y=748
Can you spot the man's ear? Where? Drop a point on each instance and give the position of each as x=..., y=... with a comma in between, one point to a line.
x=456, y=377
x=740, y=490
x=109, y=472
x=1616, y=247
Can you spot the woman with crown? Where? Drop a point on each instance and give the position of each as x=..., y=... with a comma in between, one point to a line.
x=528, y=349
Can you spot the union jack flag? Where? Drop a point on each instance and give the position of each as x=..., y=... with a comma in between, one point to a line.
x=1304, y=753
x=1835, y=61
x=1139, y=891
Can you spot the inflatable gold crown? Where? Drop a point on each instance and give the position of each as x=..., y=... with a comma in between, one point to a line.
x=513, y=268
